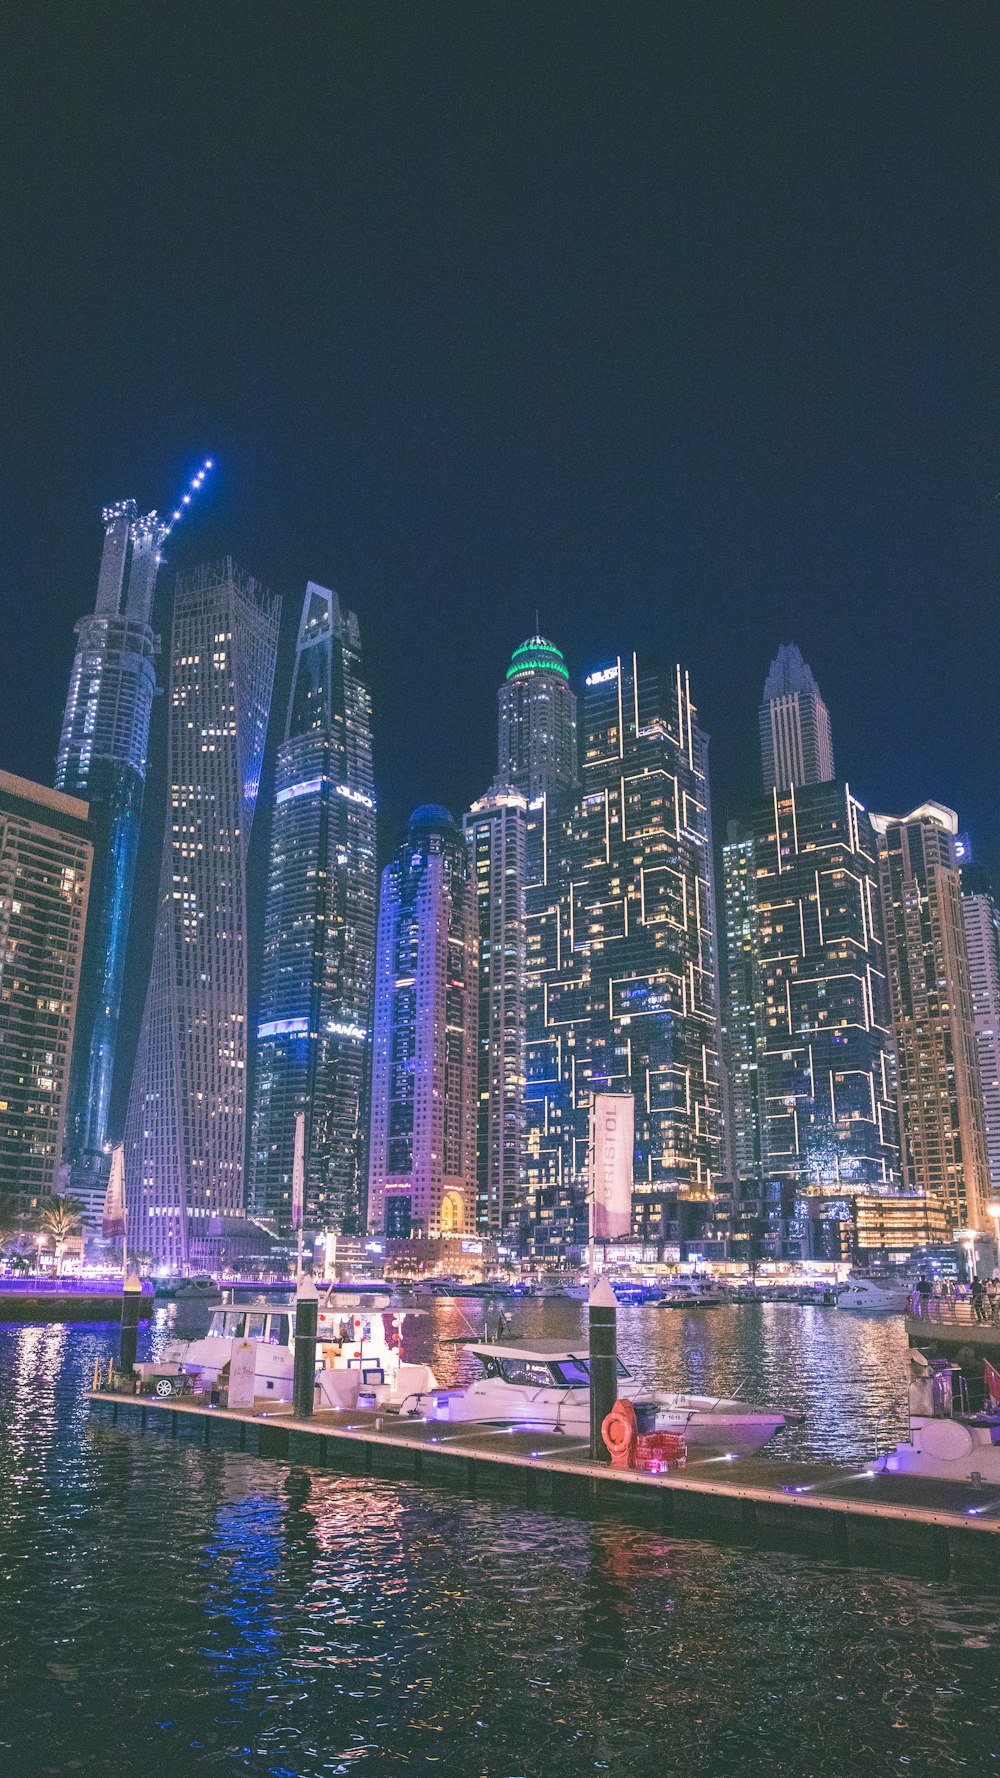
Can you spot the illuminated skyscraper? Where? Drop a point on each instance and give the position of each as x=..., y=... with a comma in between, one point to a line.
x=496, y=830
x=422, y=1164
x=102, y=758
x=186, y=1127
x=45, y=863
x=318, y=974
x=536, y=763
x=982, y=937
x=740, y=1010
x=621, y=978
x=796, y=746
x=942, y=1130
x=823, y=1040
x=537, y=722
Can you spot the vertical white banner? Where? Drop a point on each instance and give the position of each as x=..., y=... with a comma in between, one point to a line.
x=299, y=1171
x=242, y=1373
x=612, y=1135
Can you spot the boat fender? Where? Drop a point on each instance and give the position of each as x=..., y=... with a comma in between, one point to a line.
x=620, y=1433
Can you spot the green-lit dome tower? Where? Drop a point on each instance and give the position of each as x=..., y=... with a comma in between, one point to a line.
x=537, y=730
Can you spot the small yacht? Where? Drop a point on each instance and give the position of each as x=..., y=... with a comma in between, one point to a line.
x=198, y=1288
x=556, y=1290
x=358, y=1351
x=874, y=1296
x=947, y=1441
x=692, y=1293
x=547, y=1387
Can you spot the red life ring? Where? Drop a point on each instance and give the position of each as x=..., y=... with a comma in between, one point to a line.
x=619, y=1430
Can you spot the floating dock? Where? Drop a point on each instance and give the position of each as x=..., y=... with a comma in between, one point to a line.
x=66, y=1302
x=872, y=1519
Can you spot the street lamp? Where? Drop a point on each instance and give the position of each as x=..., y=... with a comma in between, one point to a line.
x=968, y=1239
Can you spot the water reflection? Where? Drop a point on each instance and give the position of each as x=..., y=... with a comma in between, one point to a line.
x=168, y=1609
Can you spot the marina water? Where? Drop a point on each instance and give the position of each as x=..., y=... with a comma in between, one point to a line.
x=167, y=1609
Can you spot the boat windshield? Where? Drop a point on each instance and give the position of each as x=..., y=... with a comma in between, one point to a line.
x=572, y=1373
x=564, y=1373
x=525, y=1370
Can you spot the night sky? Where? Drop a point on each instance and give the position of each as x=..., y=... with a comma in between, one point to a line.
x=676, y=322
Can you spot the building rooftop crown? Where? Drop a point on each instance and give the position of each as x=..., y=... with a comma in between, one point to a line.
x=935, y=814
x=537, y=656
x=433, y=815
x=789, y=673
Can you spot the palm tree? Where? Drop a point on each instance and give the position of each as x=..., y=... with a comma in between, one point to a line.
x=60, y=1218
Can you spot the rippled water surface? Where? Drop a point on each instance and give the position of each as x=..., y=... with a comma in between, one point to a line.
x=167, y=1610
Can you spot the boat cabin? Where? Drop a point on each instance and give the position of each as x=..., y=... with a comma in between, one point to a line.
x=273, y=1327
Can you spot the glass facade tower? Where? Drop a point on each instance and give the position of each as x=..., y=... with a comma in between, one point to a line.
x=185, y=1131
x=318, y=972
x=422, y=1165
x=102, y=758
x=982, y=937
x=536, y=763
x=795, y=741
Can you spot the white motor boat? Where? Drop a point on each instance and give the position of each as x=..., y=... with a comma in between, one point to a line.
x=946, y=1441
x=547, y=1387
x=556, y=1290
x=358, y=1351
x=874, y=1296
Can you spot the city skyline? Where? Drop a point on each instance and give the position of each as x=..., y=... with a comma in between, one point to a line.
x=518, y=830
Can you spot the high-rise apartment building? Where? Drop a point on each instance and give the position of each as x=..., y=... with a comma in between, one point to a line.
x=318, y=973
x=981, y=917
x=536, y=764
x=740, y=1007
x=536, y=750
x=496, y=830
x=828, y=1114
x=102, y=759
x=621, y=973
x=422, y=1159
x=186, y=1126
x=796, y=746
x=45, y=865
x=942, y=1132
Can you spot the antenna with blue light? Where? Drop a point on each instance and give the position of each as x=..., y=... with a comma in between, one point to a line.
x=186, y=498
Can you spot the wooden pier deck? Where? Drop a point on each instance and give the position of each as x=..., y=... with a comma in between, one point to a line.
x=877, y=1520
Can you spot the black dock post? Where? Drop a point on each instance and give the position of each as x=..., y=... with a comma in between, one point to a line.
x=131, y=1304
x=603, y=1364
x=306, y=1325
